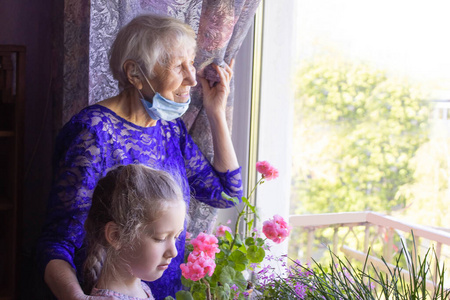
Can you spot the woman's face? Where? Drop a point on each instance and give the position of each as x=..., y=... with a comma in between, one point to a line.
x=174, y=81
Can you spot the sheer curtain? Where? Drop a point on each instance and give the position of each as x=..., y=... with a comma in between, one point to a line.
x=89, y=29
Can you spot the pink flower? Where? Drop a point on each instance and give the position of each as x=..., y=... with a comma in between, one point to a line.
x=188, y=235
x=277, y=229
x=268, y=172
x=198, y=266
x=206, y=243
x=220, y=231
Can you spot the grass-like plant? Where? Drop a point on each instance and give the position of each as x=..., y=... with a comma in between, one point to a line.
x=341, y=280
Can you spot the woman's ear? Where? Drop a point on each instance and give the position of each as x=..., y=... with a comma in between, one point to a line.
x=131, y=69
x=112, y=234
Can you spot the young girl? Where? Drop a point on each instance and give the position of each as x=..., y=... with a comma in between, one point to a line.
x=136, y=217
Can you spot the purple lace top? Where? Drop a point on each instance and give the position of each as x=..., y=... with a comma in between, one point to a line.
x=95, y=141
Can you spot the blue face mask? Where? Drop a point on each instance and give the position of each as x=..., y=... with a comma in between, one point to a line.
x=163, y=108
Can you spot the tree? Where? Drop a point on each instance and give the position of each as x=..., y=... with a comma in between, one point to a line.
x=362, y=129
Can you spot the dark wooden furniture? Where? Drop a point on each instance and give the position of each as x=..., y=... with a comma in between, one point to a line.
x=12, y=94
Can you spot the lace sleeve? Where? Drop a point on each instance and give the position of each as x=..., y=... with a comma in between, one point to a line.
x=205, y=182
x=78, y=168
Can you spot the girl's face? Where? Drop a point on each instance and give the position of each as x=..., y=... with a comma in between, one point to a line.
x=151, y=257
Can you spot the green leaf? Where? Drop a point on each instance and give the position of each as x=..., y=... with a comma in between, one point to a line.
x=228, y=198
x=198, y=287
x=227, y=275
x=228, y=237
x=225, y=252
x=223, y=292
x=250, y=225
x=249, y=241
x=199, y=296
x=182, y=295
x=247, y=202
x=259, y=241
x=240, y=281
x=255, y=254
x=186, y=282
x=198, y=291
x=243, y=249
x=237, y=240
x=240, y=260
x=217, y=272
x=230, y=276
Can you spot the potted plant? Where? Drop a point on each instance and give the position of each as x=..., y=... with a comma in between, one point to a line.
x=220, y=265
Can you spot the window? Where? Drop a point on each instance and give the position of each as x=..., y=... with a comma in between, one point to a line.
x=354, y=108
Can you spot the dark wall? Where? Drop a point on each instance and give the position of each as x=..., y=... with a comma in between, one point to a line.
x=29, y=23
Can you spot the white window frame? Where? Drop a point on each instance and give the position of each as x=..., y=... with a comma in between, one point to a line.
x=265, y=77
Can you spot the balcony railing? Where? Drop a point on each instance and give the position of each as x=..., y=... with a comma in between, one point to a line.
x=354, y=233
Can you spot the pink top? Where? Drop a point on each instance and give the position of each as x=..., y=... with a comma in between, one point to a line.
x=118, y=296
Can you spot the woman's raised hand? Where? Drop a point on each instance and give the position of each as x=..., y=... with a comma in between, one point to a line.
x=215, y=97
x=215, y=103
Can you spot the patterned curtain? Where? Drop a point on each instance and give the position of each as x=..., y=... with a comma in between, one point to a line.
x=221, y=27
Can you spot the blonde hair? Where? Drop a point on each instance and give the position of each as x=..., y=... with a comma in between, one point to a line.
x=149, y=40
x=132, y=197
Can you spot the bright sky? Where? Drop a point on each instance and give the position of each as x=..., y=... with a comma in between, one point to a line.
x=409, y=37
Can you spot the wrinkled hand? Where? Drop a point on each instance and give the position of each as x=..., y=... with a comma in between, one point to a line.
x=215, y=97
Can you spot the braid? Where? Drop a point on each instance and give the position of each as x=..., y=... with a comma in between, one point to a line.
x=93, y=266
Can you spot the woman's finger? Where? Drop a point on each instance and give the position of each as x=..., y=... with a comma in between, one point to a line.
x=223, y=74
x=232, y=61
x=205, y=83
x=229, y=67
x=228, y=70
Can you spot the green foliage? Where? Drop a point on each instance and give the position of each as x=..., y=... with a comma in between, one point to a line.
x=235, y=257
x=181, y=295
x=255, y=254
x=341, y=280
x=364, y=129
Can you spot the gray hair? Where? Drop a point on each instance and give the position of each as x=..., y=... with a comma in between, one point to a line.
x=149, y=40
x=133, y=197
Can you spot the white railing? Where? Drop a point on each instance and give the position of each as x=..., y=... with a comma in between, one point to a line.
x=441, y=110
x=374, y=227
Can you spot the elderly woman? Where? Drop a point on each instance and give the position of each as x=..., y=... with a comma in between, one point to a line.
x=152, y=59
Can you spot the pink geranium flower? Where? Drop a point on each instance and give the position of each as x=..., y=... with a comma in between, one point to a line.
x=198, y=266
x=206, y=243
x=220, y=231
x=200, y=262
x=268, y=172
x=277, y=229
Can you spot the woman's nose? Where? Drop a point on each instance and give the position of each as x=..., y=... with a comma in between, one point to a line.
x=189, y=77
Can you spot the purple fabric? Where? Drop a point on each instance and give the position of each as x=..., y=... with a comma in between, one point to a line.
x=222, y=28
x=96, y=140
